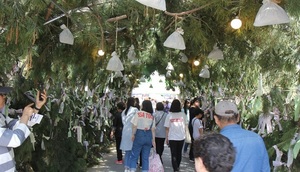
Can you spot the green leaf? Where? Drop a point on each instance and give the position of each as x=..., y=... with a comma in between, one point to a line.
x=296, y=149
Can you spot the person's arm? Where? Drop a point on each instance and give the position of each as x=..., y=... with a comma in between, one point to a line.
x=201, y=131
x=134, y=128
x=167, y=135
x=14, y=138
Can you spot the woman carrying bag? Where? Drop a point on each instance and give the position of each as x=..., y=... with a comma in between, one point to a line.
x=143, y=136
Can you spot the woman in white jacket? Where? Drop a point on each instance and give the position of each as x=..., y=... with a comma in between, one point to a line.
x=126, y=142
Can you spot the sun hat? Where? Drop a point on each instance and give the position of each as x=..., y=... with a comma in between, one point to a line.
x=226, y=108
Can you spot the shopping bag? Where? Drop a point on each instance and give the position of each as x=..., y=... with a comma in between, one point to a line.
x=155, y=164
x=187, y=135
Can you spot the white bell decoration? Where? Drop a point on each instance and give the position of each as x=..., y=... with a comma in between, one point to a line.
x=175, y=40
x=118, y=74
x=126, y=80
x=115, y=63
x=184, y=58
x=269, y=14
x=131, y=54
x=157, y=4
x=216, y=53
x=170, y=66
x=168, y=74
x=66, y=36
x=205, y=72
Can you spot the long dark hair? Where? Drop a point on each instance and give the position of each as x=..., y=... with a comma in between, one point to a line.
x=147, y=106
x=175, y=106
x=130, y=102
x=185, y=106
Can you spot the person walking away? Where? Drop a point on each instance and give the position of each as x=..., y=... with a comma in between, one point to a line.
x=160, y=131
x=251, y=153
x=195, y=105
x=175, y=132
x=186, y=107
x=117, y=131
x=213, y=153
x=143, y=136
x=13, y=132
x=126, y=142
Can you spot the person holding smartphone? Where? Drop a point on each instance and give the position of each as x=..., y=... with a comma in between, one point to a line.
x=13, y=132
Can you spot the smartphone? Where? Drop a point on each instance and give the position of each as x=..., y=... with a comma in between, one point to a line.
x=41, y=89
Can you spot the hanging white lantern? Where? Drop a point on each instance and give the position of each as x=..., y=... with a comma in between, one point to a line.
x=157, y=4
x=131, y=54
x=115, y=63
x=216, y=53
x=175, y=40
x=184, y=58
x=269, y=14
x=204, y=72
x=170, y=66
x=66, y=36
x=236, y=23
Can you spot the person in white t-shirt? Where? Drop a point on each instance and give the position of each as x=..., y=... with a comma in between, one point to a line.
x=175, y=124
x=197, y=124
x=143, y=136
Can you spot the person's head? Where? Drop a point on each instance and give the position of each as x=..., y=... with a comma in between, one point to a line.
x=175, y=106
x=186, y=105
x=3, y=92
x=130, y=102
x=213, y=153
x=195, y=102
x=120, y=106
x=159, y=106
x=199, y=113
x=147, y=106
x=226, y=113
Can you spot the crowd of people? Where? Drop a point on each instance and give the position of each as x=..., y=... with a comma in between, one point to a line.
x=138, y=129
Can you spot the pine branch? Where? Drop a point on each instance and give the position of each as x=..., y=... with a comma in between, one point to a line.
x=189, y=11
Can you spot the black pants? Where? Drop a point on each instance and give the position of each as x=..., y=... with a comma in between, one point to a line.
x=119, y=152
x=160, y=142
x=191, y=154
x=176, y=153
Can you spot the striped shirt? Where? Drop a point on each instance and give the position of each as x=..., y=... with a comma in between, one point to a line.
x=12, y=134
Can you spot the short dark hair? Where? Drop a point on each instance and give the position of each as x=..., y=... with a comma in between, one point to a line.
x=216, y=151
x=147, y=106
x=160, y=106
x=198, y=111
x=121, y=106
x=175, y=106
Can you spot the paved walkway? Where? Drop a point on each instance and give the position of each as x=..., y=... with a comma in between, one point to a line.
x=107, y=164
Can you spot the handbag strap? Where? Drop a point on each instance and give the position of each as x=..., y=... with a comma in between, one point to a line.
x=160, y=119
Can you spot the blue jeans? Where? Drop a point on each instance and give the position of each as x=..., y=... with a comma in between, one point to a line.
x=127, y=159
x=142, y=143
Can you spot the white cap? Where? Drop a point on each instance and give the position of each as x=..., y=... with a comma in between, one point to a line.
x=226, y=108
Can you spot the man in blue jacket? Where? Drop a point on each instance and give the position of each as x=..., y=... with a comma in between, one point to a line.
x=251, y=153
